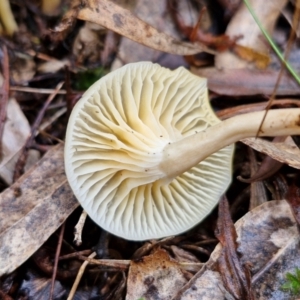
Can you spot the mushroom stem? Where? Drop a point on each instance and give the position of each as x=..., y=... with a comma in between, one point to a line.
x=182, y=155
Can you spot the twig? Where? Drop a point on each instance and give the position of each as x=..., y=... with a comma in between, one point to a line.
x=123, y=264
x=52, y=119
x=35, y=90
x=78, y=229
x=4, y=94
x=22, y=159
x=76, y=254
x=79, y=275
x=58, y=248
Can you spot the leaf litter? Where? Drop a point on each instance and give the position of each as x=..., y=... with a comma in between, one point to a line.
x=253, y=256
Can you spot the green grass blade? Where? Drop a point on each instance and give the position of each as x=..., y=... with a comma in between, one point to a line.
x=273, y=45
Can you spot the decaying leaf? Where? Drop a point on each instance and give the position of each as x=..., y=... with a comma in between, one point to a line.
x=156, y=276
x=243, y=24
x=245, y=82
x=260, y=59
x=33, y=208
x=269, y=242
x=87, y=45
x=293, y=198
x=125, y=23
x=234, y=274
x=15, y=134
x=268, y=166
x=286, y=152
x=154, y=15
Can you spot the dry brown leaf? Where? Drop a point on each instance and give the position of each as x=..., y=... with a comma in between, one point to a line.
x=183, y=255
x=240, y=82
x=33, y=208
x=87, y=44
x=268, y=243
x=156, y=276
x=125, y=23
x=260, y=59
x=15, y=134
x=155, y=15
x=235, y=275
x=23, y=68
x=53, y=66
x=286, y=152
x=243, y=24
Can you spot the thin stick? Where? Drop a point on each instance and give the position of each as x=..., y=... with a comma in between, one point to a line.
x=58, y=248
x=21, y=161
x=78, y=229
x=78, y=277
x=118, y=265
x=282, y=69
x=36, y=90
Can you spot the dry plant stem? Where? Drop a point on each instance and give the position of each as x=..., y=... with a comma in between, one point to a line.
x=75, y=254
x=7, y=18
x=78, y=228
x=108, y=264
x=52, y=119
x=58, y=248
x=21, y=161
x=79, y=275
x=4, y=94
x=195, y=148
x=35, y=90
x=118, y=265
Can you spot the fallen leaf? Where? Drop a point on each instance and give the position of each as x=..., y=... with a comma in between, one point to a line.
x=234, y=274
x=260, y=59
x=154, y=15
x=243, y=24
x=87, y=44
x=268, y=241
x=245, y=82
x=286, y=152
x=23, y=68
x=268, y=166
x=125, y=23
x=15, y=134
x=33, y=208
x=156, y=276
x=53, y=65
x=293, y=198
x=258, y=193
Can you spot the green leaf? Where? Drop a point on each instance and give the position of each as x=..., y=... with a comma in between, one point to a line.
x=85, y=79
x=292, y=284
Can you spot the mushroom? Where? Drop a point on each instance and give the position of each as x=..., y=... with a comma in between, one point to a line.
x=145, y=154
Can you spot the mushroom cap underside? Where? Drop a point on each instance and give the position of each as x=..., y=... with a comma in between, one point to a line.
x=114, y=144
